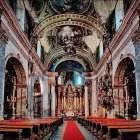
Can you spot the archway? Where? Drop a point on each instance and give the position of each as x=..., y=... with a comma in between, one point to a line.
x=37, y=99
x=15, y=92
x=70, y=91
x=125, y=89
x=70, y=71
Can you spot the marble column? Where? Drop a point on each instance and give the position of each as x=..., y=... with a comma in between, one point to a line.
x=3, y=42
x=2, y=75
x=94, y=102
x=30, y=94
x=53, y=100
x=136, y=41
x=64, y=96
x=59, y=103
x=45, y=98
x=62, y=99
x=86, y=102
x=80, y=107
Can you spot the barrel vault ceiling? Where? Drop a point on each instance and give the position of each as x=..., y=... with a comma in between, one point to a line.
x=70, y=29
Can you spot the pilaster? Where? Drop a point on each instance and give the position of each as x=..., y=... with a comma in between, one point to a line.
x=94, y=98
x=86, y=102
x=30, y=97
x=136, y=41
x=53, y=100
x=3, y=42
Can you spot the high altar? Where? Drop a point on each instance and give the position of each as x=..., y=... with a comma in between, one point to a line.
x=70, y=100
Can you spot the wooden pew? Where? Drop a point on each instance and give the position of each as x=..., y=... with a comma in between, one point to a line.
x=27, y=131
x=40, y=127
x=11, y=133
x=102, y=127
x=36, y=126
x=113, y=131
x=129, y=134
x=95, y=125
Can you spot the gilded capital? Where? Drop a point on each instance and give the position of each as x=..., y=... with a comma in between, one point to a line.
x=136, y=37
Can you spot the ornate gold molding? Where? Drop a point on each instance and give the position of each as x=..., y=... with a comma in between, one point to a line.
x=89, y=23
x=81, y=55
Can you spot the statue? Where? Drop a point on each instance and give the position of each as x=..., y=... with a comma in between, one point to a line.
x=69, y=83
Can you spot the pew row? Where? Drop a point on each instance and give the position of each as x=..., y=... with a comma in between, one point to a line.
x=103, y=128
x=33, y=128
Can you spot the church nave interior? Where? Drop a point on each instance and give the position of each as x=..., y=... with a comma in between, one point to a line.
x=69, y=69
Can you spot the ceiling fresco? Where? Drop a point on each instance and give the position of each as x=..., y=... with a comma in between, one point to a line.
x=76, y=6
x=67, y=35
x=71, y=29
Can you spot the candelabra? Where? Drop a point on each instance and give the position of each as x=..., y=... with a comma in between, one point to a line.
x=11, y=105
x=128, y=101
x=11, y=102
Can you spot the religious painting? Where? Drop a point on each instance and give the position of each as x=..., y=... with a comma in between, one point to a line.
x=69, y=35
x=70, y=66
x=69, y=5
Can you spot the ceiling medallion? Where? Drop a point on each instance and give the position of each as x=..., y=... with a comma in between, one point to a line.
x=76, y=6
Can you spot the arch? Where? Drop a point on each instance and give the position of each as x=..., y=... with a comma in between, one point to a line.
x=89, y=23
x=72, y=59
x=118, y=68
x=21, y=67
x=124, y=80
x=69, y=65
x=15, y=93
x=83, y=57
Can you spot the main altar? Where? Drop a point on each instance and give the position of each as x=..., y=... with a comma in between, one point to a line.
x=70, y=100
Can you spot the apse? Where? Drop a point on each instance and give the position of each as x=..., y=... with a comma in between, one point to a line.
x=71, y=71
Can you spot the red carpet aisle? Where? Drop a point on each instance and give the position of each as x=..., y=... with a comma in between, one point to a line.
x=72, y=132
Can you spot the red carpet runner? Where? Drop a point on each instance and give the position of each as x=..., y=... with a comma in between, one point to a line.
x=72, y=132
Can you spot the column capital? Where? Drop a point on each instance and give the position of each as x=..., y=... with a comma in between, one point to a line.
x=136, y=37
